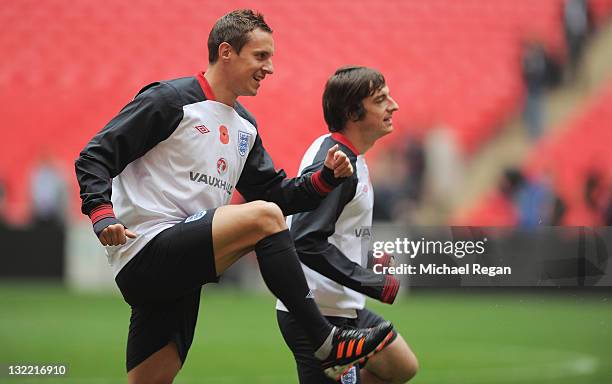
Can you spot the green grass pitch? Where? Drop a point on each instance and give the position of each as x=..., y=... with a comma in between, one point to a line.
x=459, y=338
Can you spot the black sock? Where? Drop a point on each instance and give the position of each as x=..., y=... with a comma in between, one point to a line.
x=283, y=274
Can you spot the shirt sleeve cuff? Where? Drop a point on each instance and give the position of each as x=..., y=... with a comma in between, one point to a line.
x=324, y=181
x=390, y=289
x=101, y=217
x=385, y=260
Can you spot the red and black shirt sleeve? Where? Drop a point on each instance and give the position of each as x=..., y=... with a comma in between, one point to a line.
x=311, y=230
x=148, y=119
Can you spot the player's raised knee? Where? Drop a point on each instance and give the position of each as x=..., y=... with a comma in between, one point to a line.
x=268, y=218
x=398, y=367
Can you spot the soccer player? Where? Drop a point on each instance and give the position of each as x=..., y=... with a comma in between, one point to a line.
x=172, y=159
x=358, y=110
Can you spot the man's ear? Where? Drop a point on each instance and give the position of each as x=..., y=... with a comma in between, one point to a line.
x=225, y=51
x=356, y=114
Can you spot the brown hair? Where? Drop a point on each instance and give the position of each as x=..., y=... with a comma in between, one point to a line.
x=344, y=94
x=234, y=28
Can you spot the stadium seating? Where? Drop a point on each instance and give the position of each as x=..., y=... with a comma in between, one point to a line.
x=579, y=148
x=69, y=66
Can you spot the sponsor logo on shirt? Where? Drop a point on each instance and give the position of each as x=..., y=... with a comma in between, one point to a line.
x=363, y=232
x=244, y=139
x=202, y=129
x=212, y=181
x=221, y=166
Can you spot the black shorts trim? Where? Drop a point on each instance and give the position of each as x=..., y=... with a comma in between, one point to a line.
x=162, y=284
x=308, y=366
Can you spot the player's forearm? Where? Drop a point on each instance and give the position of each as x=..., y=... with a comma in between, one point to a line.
x=95, y=190
x=147, y=120
x=94, y=183
x=300, y=194
x=305, y=193
x=337, y=267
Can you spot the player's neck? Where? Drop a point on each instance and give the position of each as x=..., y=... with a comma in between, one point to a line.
x=219, y=87
x=359, y=141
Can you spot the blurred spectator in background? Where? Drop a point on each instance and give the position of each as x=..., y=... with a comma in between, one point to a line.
x=511, y=182
x=415, y=161
x=596, y=198
x=608, y=212
x=388, y=183
x=383, y=203
x=591, y=203
x=537, y=202
x=577, y=23
x=529, y=202
x=48, y=192
x=444, y=171
x=46, y=237
x=535, y=76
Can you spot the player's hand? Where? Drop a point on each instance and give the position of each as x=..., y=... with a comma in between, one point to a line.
x=115, y=234
x=337, y=161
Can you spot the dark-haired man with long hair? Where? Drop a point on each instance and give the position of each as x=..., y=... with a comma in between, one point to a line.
x=329, y=240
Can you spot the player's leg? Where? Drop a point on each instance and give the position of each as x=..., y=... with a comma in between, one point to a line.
x=261, y=226
x=159, y=368
x=177, y=262
x=182, y=258
x=309, y=368
x=162, y=284
x=159, y=338
x=236, y=229
x=394, y=364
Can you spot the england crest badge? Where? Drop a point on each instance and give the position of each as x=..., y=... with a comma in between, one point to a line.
x=350, y=377
x=244, y=139
x=195, y=217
